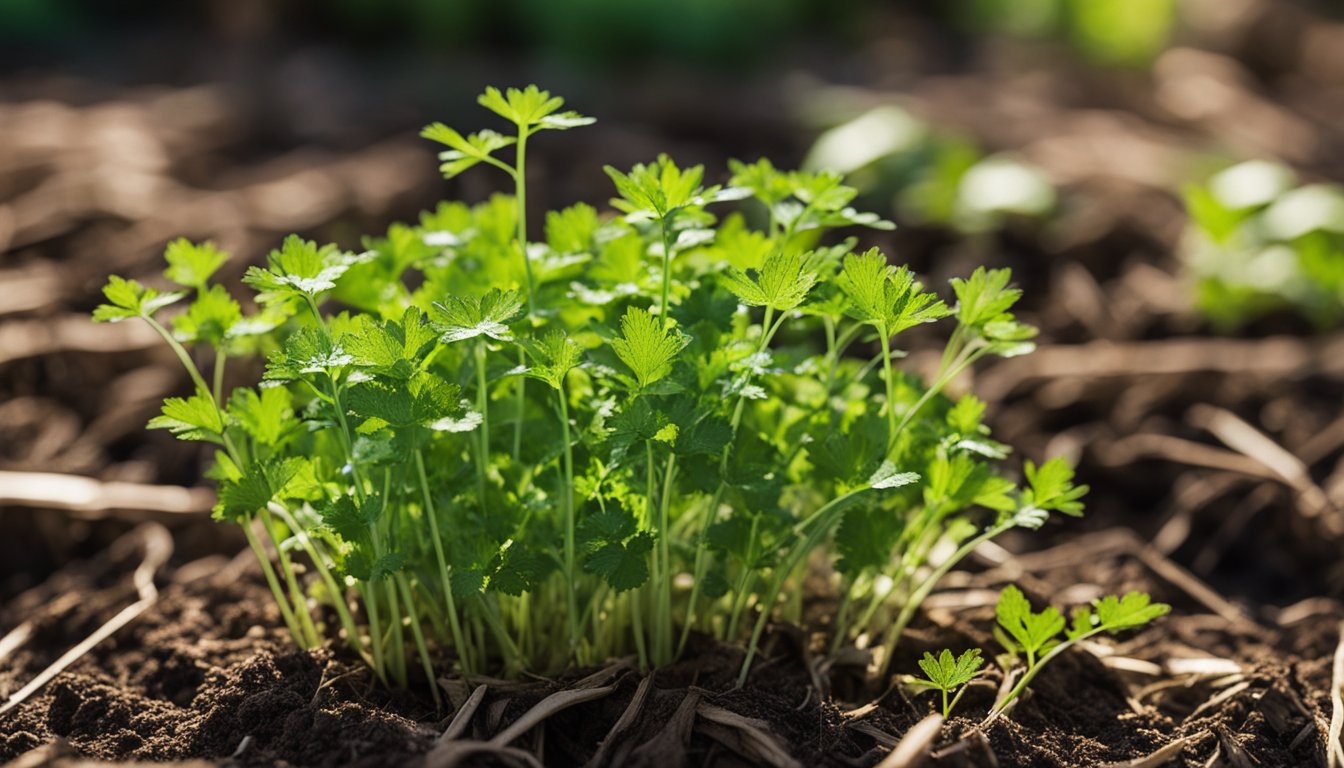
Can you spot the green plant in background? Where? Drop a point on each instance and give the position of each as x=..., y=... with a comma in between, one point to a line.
x=710, y=406
x=932, y=177
x=1257, y=244
x=1123, y=33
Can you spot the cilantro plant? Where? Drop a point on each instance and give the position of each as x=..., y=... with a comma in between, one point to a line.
x=1257, y=244
x=487, y=448
x=947, y=673
x=1034, y=637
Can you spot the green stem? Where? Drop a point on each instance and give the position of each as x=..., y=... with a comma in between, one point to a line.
x=295, y=591
x=922, y=591
x=459, y=640
x=663, y=308
x=571, y=574
x=744, y=586
x=891, y=387
x=1034, y=669
x=820, y=521
x=218, y=375
x=420, y=642
x=337, y=594
x=701, y=550
x=182, y=355
x=286, y=613
x=520, y=198
x=482, y=405
x=665, y=547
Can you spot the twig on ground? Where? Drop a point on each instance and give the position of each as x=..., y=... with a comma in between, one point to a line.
x=916, y=745
x=1333, y=748
x=1251, y=442
x=158, y=547
x=94, y=498
x=462, y=718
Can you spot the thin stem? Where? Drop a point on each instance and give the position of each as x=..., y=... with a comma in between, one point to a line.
x=520, y=198
x=667, y=271
x=891, y=386
x=571, y=575
x=296, y=592
x=218, y=374
x=744, y=586
x=916, y=598
x=420, y=642
x=1034, y=669
x=665, y=546
x=701, y=550
x=286, y=613
x=337, y=594
x=463, y=650
x=824, y=519
x=482, y=405
x=182, y=355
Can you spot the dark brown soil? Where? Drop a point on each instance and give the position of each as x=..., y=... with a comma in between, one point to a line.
x=205, y=673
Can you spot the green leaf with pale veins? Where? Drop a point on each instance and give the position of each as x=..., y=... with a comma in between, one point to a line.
x=947, y=672
x=782, y=283
x=647, y=348
x=260, y=483
x=555, y=355
x=392, y=349
x=299, y=268
x=307, y=351
x=192, y=418
x=128, y=298
x=459, y=319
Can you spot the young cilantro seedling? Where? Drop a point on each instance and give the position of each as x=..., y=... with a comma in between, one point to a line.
x=1035, y=635
x=947, y=673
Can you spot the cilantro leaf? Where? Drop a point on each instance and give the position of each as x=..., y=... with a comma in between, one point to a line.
x=646, y=348
x=305, y=352
x=259, y=484
x=1033, y=633
x=885, y=297
x=192, y=418
x=488, y=315
x=210, y=319
x=128, y=298
x=781, y=284
x=1133, y=610
x=556, y=355
x=192, y=264
x=298, y=269
x=623, y=565
x=265, y=417
x=946, y=672
x=467, y=151
x=1052, y=488
x=531, y=106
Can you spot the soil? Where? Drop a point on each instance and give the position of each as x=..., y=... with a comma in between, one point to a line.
x=1129, y=381
x=206, y=673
